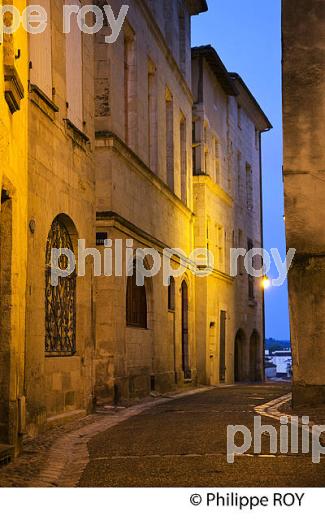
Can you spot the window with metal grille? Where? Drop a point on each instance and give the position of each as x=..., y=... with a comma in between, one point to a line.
x=136, y=303
x=60, y=299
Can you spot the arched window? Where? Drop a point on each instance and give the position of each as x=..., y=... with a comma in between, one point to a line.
x=171, y=294
x=136, y=303
x=60, y=299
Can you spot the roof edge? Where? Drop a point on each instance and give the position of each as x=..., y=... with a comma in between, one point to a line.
x=236, y=77
x=197, y=6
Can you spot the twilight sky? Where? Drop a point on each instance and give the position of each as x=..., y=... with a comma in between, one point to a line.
x=247, y=36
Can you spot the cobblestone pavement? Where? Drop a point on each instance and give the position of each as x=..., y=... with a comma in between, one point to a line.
x=57, y=457
x=184, y=444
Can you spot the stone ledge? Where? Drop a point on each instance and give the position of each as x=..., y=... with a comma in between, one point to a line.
x=42, y=101
x=14, y=90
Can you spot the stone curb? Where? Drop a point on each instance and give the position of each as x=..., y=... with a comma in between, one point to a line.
x=271, y=409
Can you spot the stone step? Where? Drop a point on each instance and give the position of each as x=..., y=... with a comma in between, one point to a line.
x=6, y=454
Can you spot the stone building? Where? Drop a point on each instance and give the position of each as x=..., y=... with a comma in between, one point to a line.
x=304, y=159
x=145, y=337
x=247, y=123
x=227, y=124
x=61, y=195
x=13, y=231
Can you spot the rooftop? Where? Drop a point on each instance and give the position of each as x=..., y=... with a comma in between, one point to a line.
x=197, y=6
x=217, y=67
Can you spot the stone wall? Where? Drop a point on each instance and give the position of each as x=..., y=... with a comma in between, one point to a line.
x=304, y=158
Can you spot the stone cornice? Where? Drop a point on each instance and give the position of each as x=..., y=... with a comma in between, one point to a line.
x=115, y=220
x=14, y=90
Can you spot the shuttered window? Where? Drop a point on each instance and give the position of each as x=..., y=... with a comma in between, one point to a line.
x=41, y=54
x=74, y=70
x=136, y=304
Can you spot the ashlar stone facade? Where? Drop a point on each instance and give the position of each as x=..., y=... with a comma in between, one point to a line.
x=144, y=193
x=227, y=124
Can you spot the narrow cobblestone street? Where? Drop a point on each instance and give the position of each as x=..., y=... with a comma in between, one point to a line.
x=170, y=441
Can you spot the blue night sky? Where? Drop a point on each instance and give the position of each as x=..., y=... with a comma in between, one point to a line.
x=247, y=36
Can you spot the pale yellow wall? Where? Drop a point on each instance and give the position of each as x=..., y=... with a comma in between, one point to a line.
x=13, y=178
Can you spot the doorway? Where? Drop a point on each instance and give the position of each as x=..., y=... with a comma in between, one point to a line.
x=185, y=351
x=5, y=314
x=222, y=359
x=239, y=349
x=254, y=372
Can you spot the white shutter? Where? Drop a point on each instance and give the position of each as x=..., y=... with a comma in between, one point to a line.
x=74, y=70
x=41, y=54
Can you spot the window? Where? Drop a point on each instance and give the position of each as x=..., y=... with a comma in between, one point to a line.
x=221, y=247
x=183, y=159
x=249, y=187
x=216, y=161
x=170, y=140
x=239, y=116
x=171, y=294
x=136, y=303
x=152, y=117
x=41, y=55
x=257, y=139
x=182, y=42
x=251, y=284
x=130, y=90
x=206, y=150
x=194, y=146
x=240, y=243
x=74, y=74
x=60, y=300
x=239, y=174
